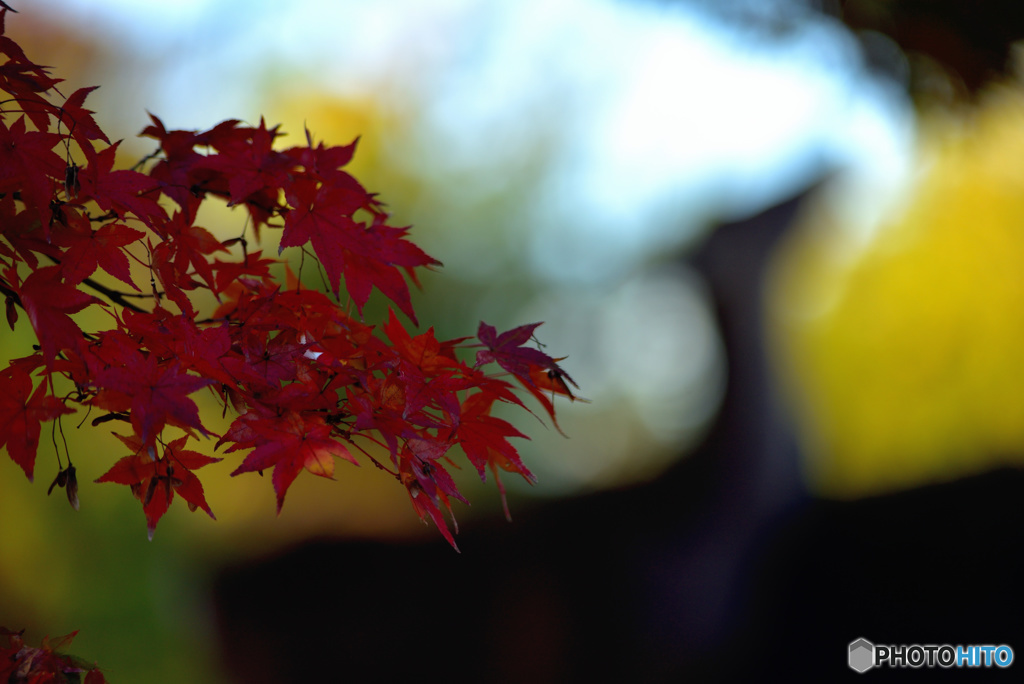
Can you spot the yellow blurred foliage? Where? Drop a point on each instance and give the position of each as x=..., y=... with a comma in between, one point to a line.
x=904, y=353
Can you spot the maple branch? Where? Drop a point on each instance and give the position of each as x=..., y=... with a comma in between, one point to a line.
x=107, y=418
x=115, y=296
x=40, y=103
x=152, y=155
x=109, y=216
x=373, y=460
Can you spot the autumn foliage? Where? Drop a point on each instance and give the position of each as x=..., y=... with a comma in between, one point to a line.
x=307, y=380
x=44, y=664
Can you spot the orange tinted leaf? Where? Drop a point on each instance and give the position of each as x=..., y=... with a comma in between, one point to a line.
x=289, y=445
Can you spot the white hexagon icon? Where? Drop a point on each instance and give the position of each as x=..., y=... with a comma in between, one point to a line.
x=862, y=655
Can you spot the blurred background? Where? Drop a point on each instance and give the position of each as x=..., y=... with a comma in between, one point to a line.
x=780, y=242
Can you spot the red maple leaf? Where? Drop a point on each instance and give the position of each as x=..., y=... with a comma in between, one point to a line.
x=182, y=254
x=507, y=351
x=45, y=664
x=157, y=394
x=29, y=164
x=21, y=412
x=154, y=481
x=422, y=351
x=431, y=375
x=119, y=191
x=250, y=163
x=48, y=301
x=484, y=438
x=425, y=507
x=289, y=444
x=88, y=248
x=367, y=255
x=253, y=265
x=429, y=485
x=536, y=371
x=78, y=119
x=321, y=161
x=20, y=228
x=176, y=171
x=304, y=377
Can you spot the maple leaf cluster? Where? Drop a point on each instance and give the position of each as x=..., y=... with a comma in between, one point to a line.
x=43, y=664
x=307, y=380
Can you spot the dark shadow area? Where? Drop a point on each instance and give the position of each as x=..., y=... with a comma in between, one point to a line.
x=941, y=564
